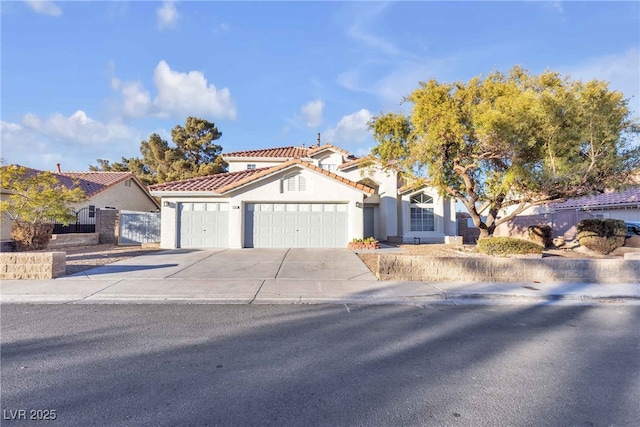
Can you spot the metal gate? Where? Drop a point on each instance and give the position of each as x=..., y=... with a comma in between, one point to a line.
x=137, y=228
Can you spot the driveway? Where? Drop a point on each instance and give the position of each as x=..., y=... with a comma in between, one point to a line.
x=262, y=264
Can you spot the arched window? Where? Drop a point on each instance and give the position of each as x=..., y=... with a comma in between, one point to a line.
x=421, y=211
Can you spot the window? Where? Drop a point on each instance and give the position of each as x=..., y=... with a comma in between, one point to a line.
x=421, y=198
x=127, y=183
x=422, y=219
x=295, y=183
x=92, y=211
x=328, y=167
x=421, y=213
x=251, y=166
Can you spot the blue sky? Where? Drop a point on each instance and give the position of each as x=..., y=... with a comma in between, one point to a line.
x=88, y=80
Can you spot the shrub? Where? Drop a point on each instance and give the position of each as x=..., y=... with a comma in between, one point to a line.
x=602, y=235
x=30, y=236
x=507, y=246
x=541, y=234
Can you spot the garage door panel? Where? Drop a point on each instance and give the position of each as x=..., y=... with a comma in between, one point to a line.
x=296, y=225
x=203, y=225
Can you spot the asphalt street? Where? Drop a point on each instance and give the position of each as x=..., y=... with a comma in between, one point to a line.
x=326, y=365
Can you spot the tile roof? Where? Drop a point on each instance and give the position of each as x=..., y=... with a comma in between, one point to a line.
x=354, y=162
x=207, y=183
x=313, y=150
x=283, y=152
x=630, y=196
x=91, y=183
x=224, y=182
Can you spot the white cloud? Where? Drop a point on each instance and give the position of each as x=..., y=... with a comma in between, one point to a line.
x=351, y=128
x=358, y=29
x=75, y=141
x=189, y=93
x=77, y=128
x=555, y=5
x=178, y=95
x=312, y=113
x=44, y=7
x=620, y=70
x=392, y=87
x=167, y=15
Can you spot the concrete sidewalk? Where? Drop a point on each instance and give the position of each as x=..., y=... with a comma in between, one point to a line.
x=292, y=291
x=274, y=276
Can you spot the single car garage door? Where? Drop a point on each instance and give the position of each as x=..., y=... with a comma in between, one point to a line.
x=203, y=225
x=296, y=225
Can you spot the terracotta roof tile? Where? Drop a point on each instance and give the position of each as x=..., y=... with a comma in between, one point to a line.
x=283, y=152
x=224, y=182
x=93, y=183
x=631, y=196
x=322, y=147
x=207, y=183
x=278, y=152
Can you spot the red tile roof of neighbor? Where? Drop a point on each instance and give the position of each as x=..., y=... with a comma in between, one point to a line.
x=91, y=183
x=224, y=182
x=282, y=152
x=631, y=196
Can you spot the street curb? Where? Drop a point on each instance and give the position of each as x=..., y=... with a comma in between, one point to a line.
x=442, y=298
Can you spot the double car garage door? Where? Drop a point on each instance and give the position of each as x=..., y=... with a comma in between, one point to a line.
x=266, y=225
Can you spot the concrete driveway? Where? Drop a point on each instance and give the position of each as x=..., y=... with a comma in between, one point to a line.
x=262, y=264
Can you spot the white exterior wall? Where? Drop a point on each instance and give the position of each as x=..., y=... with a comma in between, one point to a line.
x=328, y=157
x=442, y=218
x=320, y=189
x=387, y=212
x=236, y=166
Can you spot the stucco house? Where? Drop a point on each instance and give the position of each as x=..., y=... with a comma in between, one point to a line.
x=104, y=190
x=317, y=196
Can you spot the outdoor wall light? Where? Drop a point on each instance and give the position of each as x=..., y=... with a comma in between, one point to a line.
x=358, y=205
x=166, y=204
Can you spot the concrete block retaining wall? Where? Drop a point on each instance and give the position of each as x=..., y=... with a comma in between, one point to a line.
x=32, y=265
x=480, y=269
x=74, y=239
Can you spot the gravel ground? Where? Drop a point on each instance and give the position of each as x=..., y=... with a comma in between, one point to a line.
x=81, y=258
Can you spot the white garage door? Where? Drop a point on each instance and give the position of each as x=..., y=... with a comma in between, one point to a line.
x=296, y=225
x=203, y=225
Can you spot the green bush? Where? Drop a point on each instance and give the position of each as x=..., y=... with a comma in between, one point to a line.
x=507, y=246
x=602, y=235
x=541, y=234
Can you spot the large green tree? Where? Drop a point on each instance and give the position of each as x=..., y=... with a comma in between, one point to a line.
x=34, y=202
x=194, y=153
x=503, y=143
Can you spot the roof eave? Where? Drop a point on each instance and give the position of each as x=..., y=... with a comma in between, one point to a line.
x=177, y=193
x=256, y=159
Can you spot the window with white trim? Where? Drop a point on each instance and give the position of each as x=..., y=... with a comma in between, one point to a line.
x=251, y=166
x=421, y=213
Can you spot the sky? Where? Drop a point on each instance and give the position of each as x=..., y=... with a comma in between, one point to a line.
x=82, y=81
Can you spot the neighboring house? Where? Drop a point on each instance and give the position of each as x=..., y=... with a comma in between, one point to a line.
x=563, y=217
x=104, y=190
x=298, y=197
